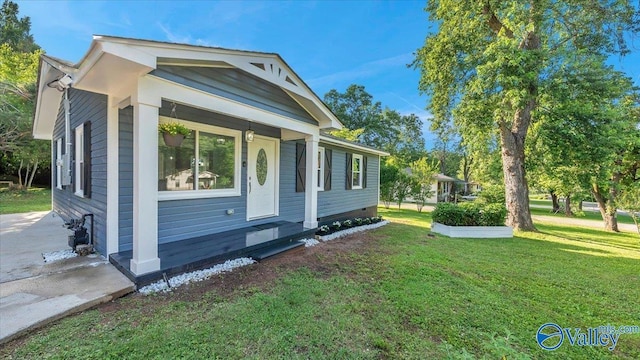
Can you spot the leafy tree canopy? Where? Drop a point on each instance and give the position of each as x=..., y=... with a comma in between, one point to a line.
x=386, y=129
x=487, y=67
x=14, y=31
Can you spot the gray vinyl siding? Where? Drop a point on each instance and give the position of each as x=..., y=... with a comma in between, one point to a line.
x=86, y=106
x=183, y=219
x=338, y=199
x=125, y=179
x=236, y=85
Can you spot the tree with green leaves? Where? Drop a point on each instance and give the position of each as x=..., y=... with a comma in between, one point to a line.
x=386, y=129
x=347, y=134
x=402, y=187
x=14, y=31
x=19, y=58
x=388, y=177
x=423, y=172
x=587, y=137
x=486, y=66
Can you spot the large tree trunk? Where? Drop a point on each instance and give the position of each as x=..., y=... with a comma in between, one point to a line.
x=607, y=210
x=554, y=202
x=515, y=182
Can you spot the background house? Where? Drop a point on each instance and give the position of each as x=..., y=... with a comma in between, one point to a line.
x=442, y=188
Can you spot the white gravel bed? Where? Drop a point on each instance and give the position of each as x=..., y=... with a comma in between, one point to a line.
x=58, y=255
x=195, y=276
x=310, y=242
x=354, y=230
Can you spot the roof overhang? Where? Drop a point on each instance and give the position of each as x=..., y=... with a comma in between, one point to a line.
x=351, y=145
x=49, y=95
x=125, y=60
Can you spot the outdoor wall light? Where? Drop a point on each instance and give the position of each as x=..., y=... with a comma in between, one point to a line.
x=248, y=135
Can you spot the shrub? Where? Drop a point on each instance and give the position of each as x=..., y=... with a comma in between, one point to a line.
x=493, y=215
x=492, y=194
x=448, y=214
x=469, y=214
x=347, y=223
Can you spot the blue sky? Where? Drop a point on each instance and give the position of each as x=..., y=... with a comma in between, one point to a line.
x=329, y=44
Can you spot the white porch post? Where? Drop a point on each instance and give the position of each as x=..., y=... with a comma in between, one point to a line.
x=112, y=177
x=311, y=187
x=145, y=192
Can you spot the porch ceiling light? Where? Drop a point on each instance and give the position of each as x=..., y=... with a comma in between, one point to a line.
x=248, y=135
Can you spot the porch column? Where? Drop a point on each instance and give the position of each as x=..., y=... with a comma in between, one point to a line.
x=145, y=190
x=311, y=188
x=112, y=176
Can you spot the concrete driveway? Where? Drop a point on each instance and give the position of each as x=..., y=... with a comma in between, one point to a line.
x=23, y=239
x=34, y=293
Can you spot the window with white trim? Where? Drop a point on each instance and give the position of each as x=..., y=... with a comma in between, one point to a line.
x=59, y=162
x=320, y=170
x=206, y=164
x=79, y=166
x=356, y=172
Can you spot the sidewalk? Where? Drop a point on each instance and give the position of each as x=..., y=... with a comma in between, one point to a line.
x=33, y=293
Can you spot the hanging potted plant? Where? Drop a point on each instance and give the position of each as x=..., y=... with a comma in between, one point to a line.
x=173, y=133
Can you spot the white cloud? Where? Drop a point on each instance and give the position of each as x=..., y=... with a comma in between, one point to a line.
x=365, y=70
x=183, y=38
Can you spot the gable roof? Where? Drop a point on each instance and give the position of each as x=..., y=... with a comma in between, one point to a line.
x=126, y=59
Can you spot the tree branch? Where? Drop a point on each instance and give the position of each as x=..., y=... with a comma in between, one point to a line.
x=494, y=23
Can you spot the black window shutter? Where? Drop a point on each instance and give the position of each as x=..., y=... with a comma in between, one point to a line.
x=301, y=166
x=364, y=172
x=87, y=159
x=327, y=169
x=349, y=176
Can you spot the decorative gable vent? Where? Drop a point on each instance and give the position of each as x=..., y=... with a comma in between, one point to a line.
x=274, y=70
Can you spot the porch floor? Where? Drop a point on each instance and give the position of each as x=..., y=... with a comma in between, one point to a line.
x=257, y=242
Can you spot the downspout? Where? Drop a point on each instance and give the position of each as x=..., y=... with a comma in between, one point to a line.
x=67, y=137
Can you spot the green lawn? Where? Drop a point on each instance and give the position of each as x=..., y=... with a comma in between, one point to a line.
x=401, y=294
x=19, y=201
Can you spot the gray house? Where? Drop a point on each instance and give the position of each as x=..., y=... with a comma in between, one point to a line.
x=256, y=168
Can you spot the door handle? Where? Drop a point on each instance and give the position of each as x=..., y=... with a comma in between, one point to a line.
x=249, y=184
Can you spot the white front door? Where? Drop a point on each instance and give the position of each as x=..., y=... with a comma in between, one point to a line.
x=263, y=159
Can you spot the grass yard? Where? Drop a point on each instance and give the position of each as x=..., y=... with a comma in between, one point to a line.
x=20, y=201
x=394, y=292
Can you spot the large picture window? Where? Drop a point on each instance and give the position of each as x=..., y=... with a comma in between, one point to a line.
x=207, y=164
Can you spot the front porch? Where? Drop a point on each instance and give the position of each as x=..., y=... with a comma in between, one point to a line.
x=257, y=242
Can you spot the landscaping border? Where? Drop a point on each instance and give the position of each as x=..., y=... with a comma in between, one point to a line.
x=482, y=232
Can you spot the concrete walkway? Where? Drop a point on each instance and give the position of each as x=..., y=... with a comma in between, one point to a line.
x=34, y=293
